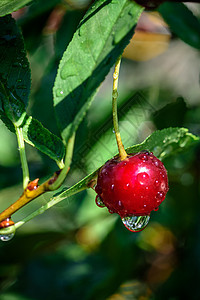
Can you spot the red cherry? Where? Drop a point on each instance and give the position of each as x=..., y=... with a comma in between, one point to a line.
x=132, y=187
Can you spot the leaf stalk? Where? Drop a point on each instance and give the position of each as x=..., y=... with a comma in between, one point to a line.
x=23, y=159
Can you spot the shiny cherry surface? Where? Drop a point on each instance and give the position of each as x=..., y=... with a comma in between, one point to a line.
x=134, y=186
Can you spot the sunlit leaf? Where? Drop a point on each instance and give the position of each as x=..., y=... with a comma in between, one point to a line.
x=100, y=38
x=8, y=6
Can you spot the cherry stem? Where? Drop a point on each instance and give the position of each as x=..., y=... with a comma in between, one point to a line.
x=33, y=191
x=122, y=152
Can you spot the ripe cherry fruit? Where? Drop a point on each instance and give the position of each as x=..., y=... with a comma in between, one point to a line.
x=132, y=188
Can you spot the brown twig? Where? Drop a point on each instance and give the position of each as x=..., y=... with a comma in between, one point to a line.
x=32, y=191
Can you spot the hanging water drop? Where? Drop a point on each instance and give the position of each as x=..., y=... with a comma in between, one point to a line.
x=99, y=202
x=6, y=237
x=135, y=223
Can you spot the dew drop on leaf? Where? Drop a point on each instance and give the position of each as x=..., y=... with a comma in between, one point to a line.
x=135, y=223
x=59, y=92
x=6, y=237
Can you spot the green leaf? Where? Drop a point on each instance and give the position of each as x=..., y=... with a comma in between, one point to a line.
x=8, y=6
x=37, y=135
x=7, y=121
x=99, y=40
x=166, y=142
x=34, y=133
x=14, y=71
x=14, y=91
x=182, y=22
x=13, y=107
x=162, y=143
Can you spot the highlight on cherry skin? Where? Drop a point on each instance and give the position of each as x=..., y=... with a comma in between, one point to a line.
x=132, y=188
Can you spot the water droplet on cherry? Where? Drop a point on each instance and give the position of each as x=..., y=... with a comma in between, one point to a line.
x=160, y=195
x=99, y=202
x=143, y=178
x=144, y=157
x=136, y=223
x=145, y=152
x=156, y=163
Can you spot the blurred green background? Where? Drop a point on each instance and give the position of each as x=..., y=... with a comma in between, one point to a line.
x=77, y=250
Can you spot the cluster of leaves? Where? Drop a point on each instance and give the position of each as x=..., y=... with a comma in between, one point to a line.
x=92, y=51
x=91, y=43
